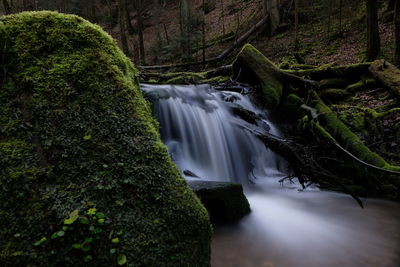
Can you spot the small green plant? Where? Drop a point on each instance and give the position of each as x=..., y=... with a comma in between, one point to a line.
x=83, y=230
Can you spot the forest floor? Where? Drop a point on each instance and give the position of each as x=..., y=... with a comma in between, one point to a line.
x=321, y=40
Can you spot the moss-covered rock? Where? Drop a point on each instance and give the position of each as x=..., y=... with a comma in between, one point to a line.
x=252, y=66
x=225, y=202
x=85, y=179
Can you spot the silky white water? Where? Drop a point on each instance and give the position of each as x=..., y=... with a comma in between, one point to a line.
x=286, y=227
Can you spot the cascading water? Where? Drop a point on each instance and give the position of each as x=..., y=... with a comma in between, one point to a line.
x=205, y=138
x=286, y=227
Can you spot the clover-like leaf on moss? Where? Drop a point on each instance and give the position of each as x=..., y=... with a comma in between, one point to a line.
x=72, y=217
x=121, y=260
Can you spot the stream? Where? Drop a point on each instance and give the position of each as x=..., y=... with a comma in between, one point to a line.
x=287, y=226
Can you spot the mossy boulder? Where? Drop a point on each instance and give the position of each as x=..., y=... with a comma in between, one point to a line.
x=253, y=67
x=224, y=201
x=85, y=179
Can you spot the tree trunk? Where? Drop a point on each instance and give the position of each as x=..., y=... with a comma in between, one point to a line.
x=166, y=33
x=397, y=33
x=7, y=6
x=296, y=23
x=340, y=17
x=391, y=4
x=203, y=37
x=373, y=41
x=93, y=10
x=223, y=16
x=185, y=14
x=139, y=8
x=128, y=19
x=264, y=7
x=272, y=7
x=124, y=41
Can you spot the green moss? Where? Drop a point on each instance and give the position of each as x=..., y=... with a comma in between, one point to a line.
x=345, y=137
x=76, y=134
x=361, y=85
x=347, y=72
x=250, y=64
x=216, y=80
x=388, y=74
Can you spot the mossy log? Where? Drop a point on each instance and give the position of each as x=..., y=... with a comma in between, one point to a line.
x=85, y=179
x=250, y=66
x=213, y=76
x=348, y=72
x=333, y=129
x=388, y=74
x=361, y=85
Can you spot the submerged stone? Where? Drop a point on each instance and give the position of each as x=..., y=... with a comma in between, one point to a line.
x=85, y=179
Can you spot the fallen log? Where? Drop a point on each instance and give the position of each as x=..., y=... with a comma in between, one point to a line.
x=388, y=75
x=353, y=71
x=251, y=66
x=331, y=128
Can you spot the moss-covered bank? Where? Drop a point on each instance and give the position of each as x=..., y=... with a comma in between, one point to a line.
x=84, y=177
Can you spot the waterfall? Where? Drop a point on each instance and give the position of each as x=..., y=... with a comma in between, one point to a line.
x=205, y=138
x=286, y=227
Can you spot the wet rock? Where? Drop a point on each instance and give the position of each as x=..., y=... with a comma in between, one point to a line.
x=224, y=201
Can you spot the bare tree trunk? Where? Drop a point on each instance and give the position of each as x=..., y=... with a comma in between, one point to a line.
x=110, y=13
x=340, y=17
x=223, y=17
x=128, y=19
x=329, y=20
x=296, y=24
x=166, y=33
x=397, y=33
x=272, y=7
x=373, y=41
x=185, y=13
x=203, y=37
x=139, y=8
x=93, y=10
x=264, y=4
x=124, y=41
x=7, y=6
x=391, y=4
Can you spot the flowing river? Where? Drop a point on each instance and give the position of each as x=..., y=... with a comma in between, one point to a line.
x=287, y=226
